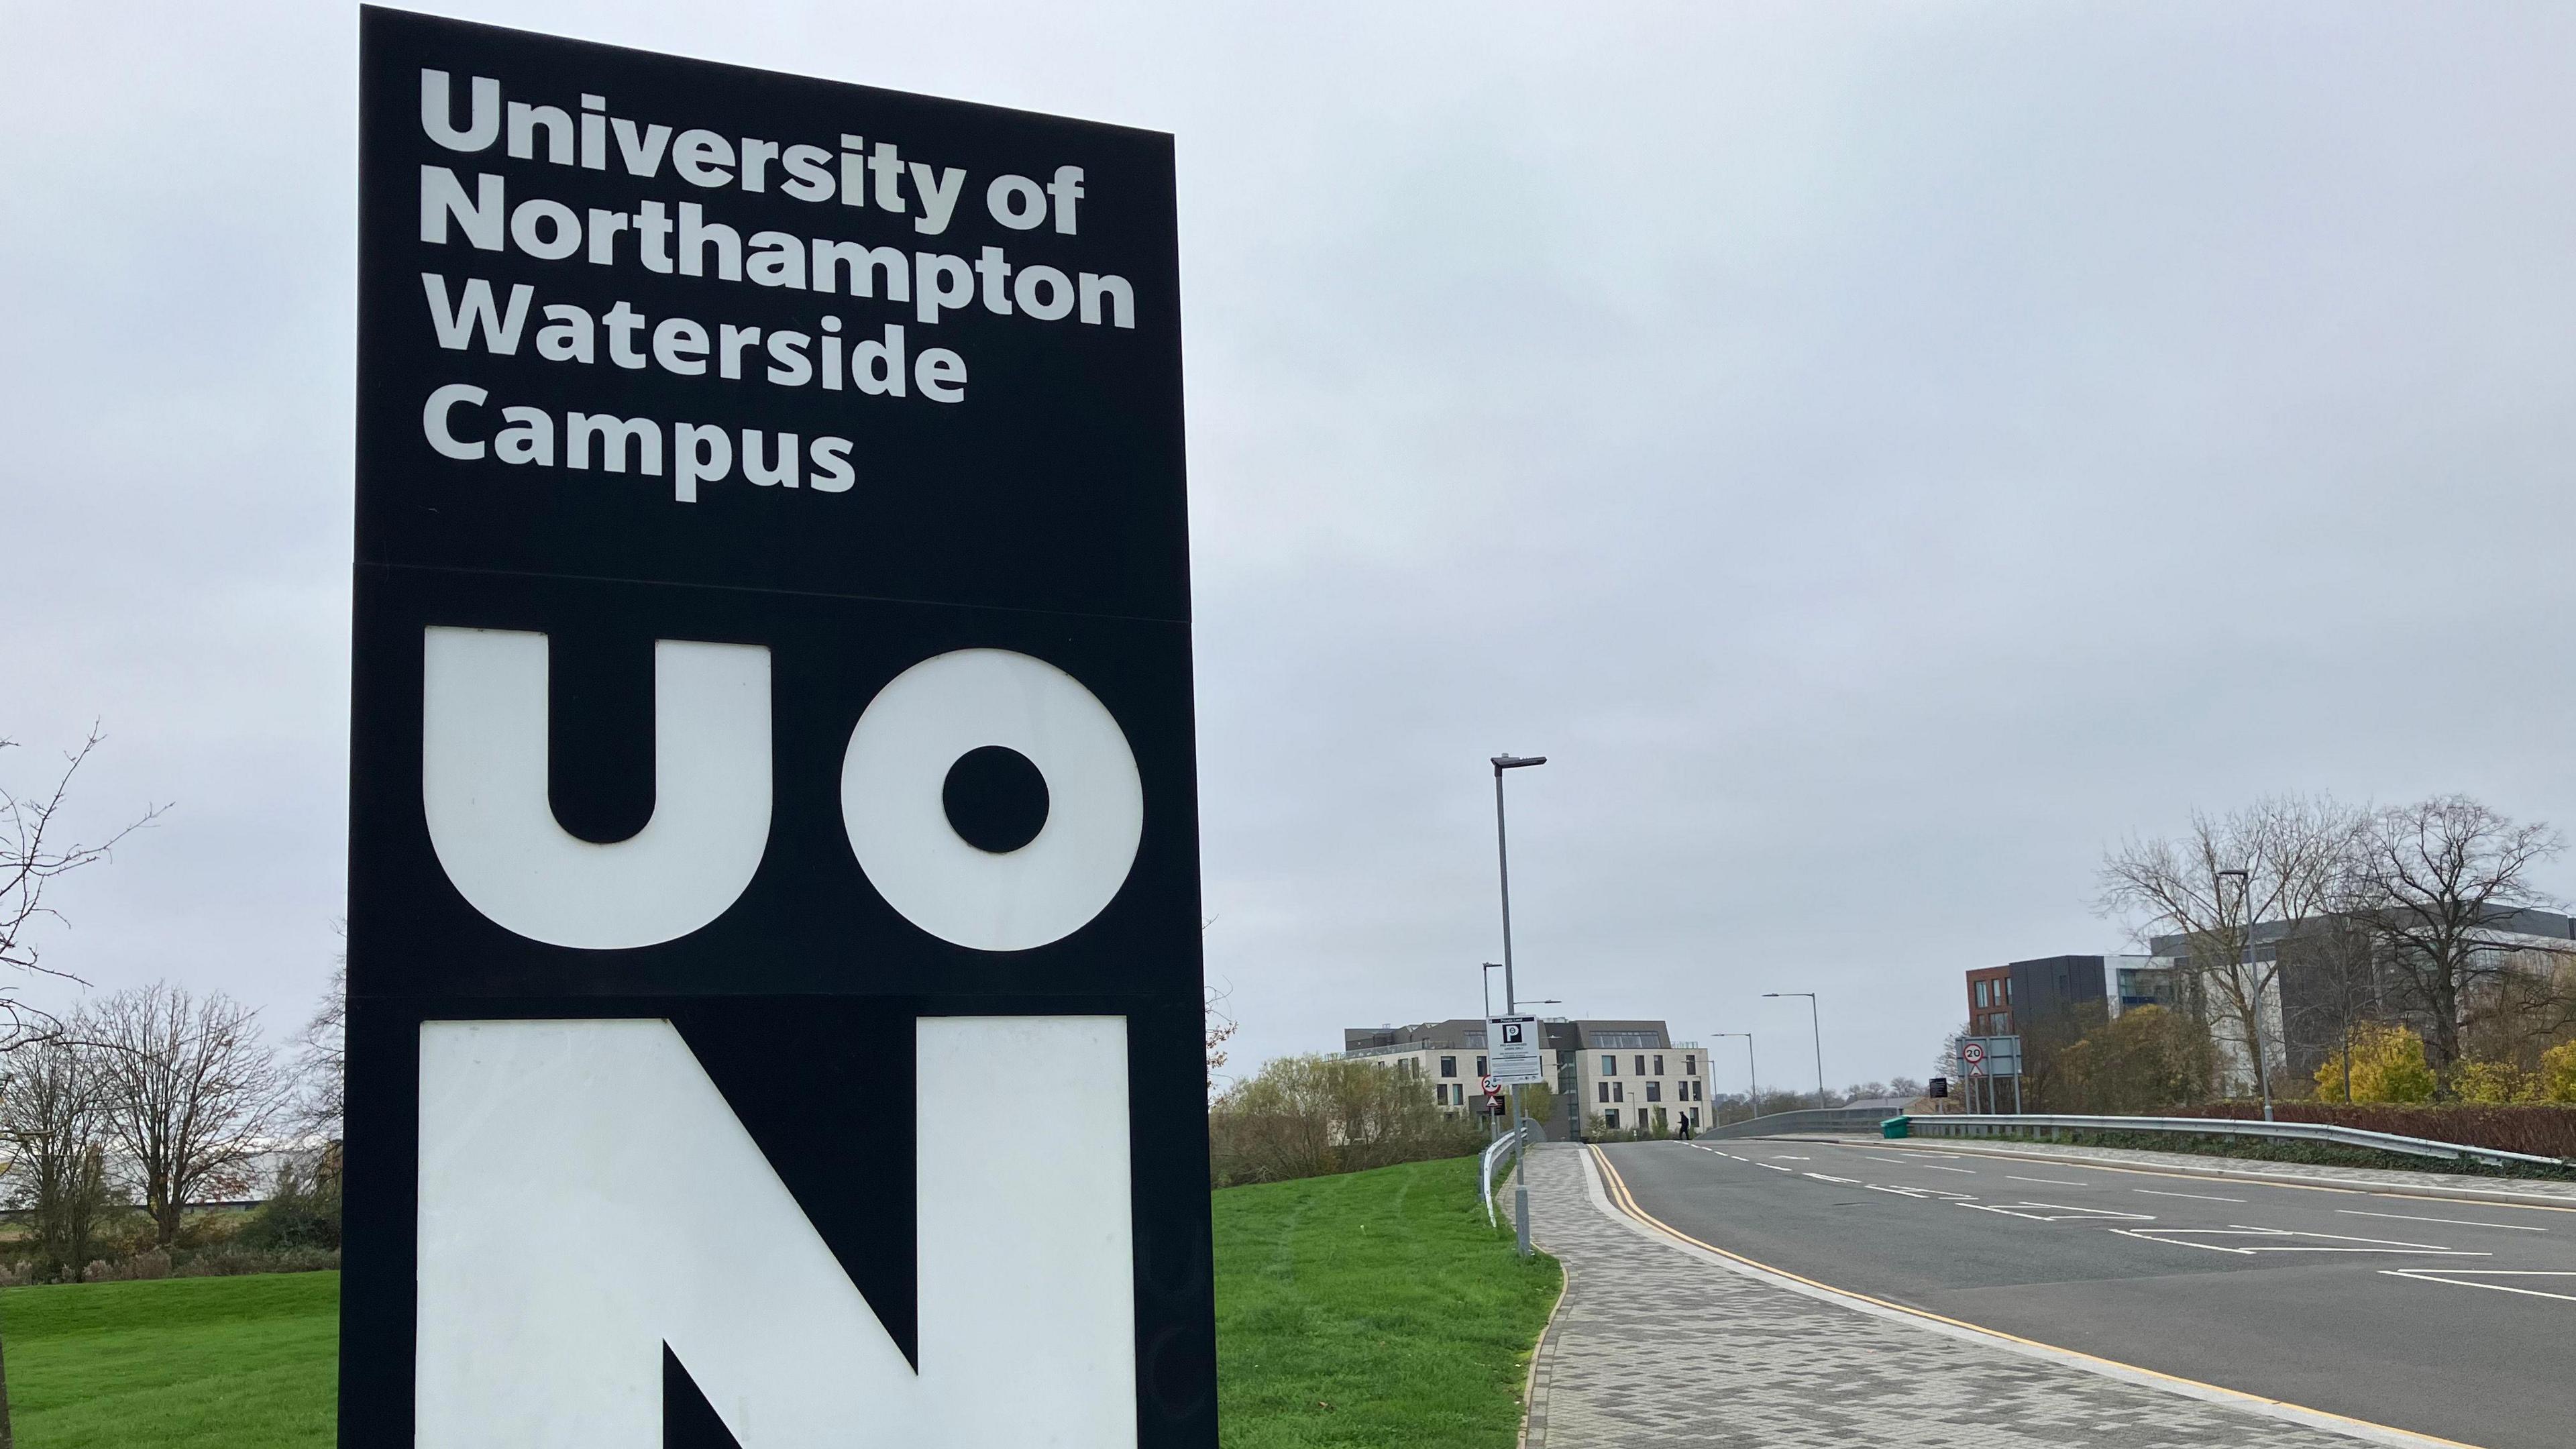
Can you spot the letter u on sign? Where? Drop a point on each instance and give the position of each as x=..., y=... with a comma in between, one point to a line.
x=483, y=788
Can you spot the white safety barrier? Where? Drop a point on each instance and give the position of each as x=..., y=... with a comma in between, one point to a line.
x=1493, y=1154
x=1971, y=1124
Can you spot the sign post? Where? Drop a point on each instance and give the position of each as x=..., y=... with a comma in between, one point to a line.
x=771, y=698
x=1988, y=1058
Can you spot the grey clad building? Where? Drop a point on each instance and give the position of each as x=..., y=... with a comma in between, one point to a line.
x=2330, y=970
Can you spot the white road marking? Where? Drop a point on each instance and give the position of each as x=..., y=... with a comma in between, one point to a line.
x=2282, y=1240
x=1920, y=1194
x=1845, y=1181
x=1775, y=1167
x=2459, y=1278
x=2058, y=1212
x=2198, y=1196
x=2050, y=1181
x=1788, y=1157
x=2460, y=1222
x=1936, y=1167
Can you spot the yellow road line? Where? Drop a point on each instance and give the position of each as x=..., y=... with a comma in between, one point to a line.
x=1627, y=1203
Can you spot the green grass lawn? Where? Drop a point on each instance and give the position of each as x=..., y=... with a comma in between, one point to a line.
x=1374, y=1308
x=185, y=1363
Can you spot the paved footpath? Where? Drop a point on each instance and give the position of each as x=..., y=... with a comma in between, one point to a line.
x=1660, y=1344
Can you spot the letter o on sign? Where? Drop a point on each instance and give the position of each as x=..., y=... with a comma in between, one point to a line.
x=895, y=803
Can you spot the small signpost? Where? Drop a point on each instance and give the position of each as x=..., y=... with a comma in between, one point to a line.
x=1987, y=1058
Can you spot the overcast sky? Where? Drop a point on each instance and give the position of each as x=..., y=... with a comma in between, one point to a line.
x=1880, y=454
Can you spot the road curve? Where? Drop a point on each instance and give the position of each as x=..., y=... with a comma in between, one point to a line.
x=2452, y=1319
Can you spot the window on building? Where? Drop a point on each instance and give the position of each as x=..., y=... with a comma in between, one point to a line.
x=1618, y=1091
x=1610, y=1119
x=1448, y=1066
x=1659, y=1064
x=1981, y=993
x=1690, y=1066
x=1654, y=1091
x=2004, y=985
x=1605, y=1090
x=1609, y=1065
x=1641, y=1065
x=1480, y=1061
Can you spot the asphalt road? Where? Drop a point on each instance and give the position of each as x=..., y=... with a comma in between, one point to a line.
x=2379, y=1307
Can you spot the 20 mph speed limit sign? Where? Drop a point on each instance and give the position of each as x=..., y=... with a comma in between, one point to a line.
x=1973, y=1053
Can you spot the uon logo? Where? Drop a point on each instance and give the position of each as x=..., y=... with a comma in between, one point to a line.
x=606, y=1258
x=990, y=798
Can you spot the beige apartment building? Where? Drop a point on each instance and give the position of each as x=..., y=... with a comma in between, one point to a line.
x=1611, y=1076
x=1450, y=1055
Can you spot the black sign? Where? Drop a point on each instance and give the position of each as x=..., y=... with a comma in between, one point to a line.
x=773, y=931
x=1939, y=1087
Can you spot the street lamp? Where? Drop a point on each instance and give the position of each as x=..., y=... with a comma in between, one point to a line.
x=1816, y=1024
x=1486, y=980
x=1753, y=1084
x=1511, y=995
x=2242, y=964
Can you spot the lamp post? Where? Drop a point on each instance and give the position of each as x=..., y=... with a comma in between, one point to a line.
x=1485, y=982
x=2242, y=964
x=1511, y=995
x=1752, y=1083
x=1816, y=1024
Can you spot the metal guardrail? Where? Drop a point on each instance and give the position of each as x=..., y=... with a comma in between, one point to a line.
x=1485, y=1175
x=1967, y=1124
x=1810, y=1119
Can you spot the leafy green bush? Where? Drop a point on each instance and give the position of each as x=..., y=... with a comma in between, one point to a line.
x=1311, y=1115
x=2387, y=1065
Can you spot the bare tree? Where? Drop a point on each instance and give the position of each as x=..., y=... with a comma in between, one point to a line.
x=51, y=1122
x=33, y=855
x=2441, y=878
x=192, y=1095
x=2282, y=859
x=321, y=1060
x=1220, y=1029
x=2333, y=970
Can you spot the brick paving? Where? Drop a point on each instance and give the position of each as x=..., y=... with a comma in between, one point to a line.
x=1658, y=1344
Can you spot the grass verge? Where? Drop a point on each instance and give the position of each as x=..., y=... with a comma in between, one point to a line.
x=187, y=1363
x=1372, y=1308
